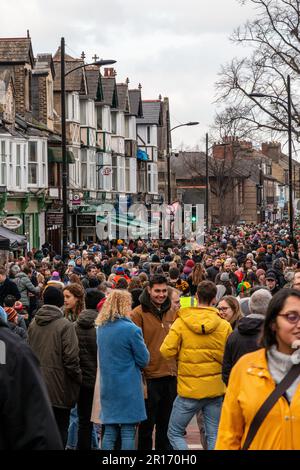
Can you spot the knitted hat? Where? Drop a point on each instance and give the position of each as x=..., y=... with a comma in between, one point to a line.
x=77, y=270
x=53, y=296
x=190, y=263
x=224, y=277
x=259, y=272
x=243, y=287
x=18, y=305
x=120, y=270
x=55, y=276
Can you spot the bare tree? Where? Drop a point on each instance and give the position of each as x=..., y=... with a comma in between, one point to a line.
x=274, y=36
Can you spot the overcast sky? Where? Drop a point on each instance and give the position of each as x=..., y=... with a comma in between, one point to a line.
x=172, y=47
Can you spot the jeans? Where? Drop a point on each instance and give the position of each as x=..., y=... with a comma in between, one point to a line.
x=182, y=413
x=161, y=394
x=73, y=432
x=111, y=434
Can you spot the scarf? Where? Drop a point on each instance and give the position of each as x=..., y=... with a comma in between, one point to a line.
x=279, y=365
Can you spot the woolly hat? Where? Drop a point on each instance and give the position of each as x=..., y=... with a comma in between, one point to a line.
x=243, y=287
x=187, y=270
x=53, y=296
x=119, y=270
x=55, y=276
x=224, y=277
x=259, y=272
x=18, y=305
x=190, y=263
x=77, y=270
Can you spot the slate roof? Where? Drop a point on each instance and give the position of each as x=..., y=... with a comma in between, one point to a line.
x=135, y=100
x=16, y=50
x=110, y=91
x=94, y=83
x=151, y=112
x=75, y=81
x=123, y=98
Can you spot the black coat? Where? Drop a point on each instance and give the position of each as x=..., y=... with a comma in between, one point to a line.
x=8, y=288
x=26, y=418
x=243, y=340
x=86, y=333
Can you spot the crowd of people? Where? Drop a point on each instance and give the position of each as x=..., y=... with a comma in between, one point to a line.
x=121, y=339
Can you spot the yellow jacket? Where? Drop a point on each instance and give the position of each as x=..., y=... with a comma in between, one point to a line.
x=249, y=385
x=197, y=339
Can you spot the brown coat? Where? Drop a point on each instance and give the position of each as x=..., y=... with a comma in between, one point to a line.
x=154, y=331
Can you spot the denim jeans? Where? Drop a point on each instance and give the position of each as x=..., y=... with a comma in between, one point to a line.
x=182, y=413
x=127, y=436
x=73, y=432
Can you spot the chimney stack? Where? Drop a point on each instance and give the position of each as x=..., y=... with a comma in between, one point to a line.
x=109, y=72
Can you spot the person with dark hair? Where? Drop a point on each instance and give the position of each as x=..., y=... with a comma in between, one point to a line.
x=122, y=283
x=90, y=280
x=254, y=377
x=13, y=320
x=7, y=286
x=197, y=340
x=86, y=333
x=29, y=426
x=26, y=288
x=155, y=316
x=53, y=339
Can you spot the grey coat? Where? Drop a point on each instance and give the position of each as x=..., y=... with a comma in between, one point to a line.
x=25, y=286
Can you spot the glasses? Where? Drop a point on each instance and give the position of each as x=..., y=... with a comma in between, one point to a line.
x=292, y=317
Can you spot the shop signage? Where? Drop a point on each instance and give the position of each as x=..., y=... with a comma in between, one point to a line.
x=106, y=171
x=12, y=222
x=86, y=220
x=54, y=218
x=76, y=200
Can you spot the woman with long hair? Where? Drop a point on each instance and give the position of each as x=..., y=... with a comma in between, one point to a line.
x=230, y=310
x=197, y=275
x=254, y=377
x=122, y=355
x=73, y=301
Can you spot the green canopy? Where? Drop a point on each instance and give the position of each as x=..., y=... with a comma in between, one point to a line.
x=55, y=155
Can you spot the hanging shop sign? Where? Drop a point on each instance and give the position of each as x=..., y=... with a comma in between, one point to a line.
x=12, y=222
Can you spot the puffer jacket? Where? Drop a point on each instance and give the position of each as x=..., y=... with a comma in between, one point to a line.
x=53, y=339
x=86, y=333
x=25, y=286
x=249, y=386
x=197, y=339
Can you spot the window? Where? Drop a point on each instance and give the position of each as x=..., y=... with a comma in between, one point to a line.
x=92, y=170
x=99, y=117
x=11, y=164
x=32, y=163
x=3, y=162
x=148, y=135
x=114, y=123
x=152, y=182
x=269, y=169
x=127, y=175
x=114, y=166
x=44, y=164
x=18, y=166
x=84, y=168
x=83, y=114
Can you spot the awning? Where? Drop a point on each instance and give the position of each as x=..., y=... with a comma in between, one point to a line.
x=142, y=155
x=55, y=155
x=14, y=239
x=4, y=243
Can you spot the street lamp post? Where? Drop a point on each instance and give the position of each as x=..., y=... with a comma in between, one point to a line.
x=191, y=123
x=64, y=138
x=289, y=113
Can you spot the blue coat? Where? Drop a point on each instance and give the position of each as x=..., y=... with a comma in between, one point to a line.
x=122, y=355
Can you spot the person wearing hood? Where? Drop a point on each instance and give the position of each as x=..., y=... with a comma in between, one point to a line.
x=155, y=317
x=197, y=340
x=86, y=333
x=244, y=338
x=53, y=339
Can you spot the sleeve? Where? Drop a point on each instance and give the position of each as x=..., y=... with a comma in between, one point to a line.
x=227, y=361
x=232, y=423
x=219, y=353
x=30, y=287
x=15, y=291
x=137, y=319
x=70, y=353
x=171, y=345
x=140, y=351
x=26, y=414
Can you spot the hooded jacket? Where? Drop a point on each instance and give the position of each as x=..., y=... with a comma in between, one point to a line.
x=197, y=340
x=25, y=286
x=86, y=333
x=155, y=324
x=53, y=339
x=243, y=339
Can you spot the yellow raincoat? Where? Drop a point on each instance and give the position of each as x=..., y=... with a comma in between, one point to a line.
x=249, y=385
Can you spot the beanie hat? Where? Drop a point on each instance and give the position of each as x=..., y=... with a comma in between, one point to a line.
x=190, y=263
x=77, y=270
x=224, y=277
x=243, y=287
x=18, y=305
x=259, y=272
x=55, y=276
x=120, y=270
x=53, y=296
x=259, y=301
x=187, y=270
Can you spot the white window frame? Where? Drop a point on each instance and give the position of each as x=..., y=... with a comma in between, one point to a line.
x=3, y=163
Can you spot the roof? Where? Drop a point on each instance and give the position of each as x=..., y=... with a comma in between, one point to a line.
x=151, y=112
x=16, y=50
x=135, y=101
x=44, y=62
x=123, y=98
x=94, y=83
x=74, y=81
x=110, y=91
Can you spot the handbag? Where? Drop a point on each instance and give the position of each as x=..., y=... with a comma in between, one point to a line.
x=269, y=403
